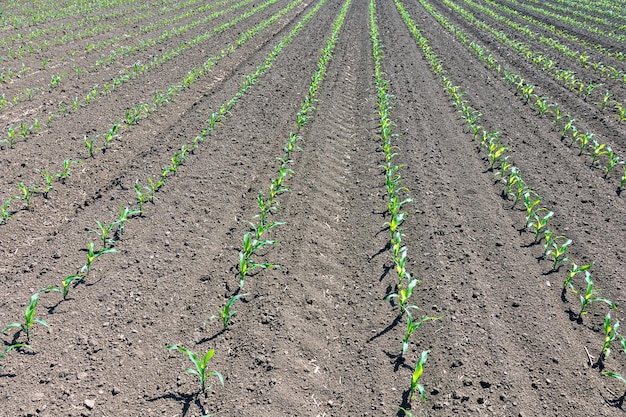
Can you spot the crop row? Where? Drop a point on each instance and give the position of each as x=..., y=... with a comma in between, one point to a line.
x=132, y=116
x=602, y=155
x=607, y=71
x=516, y=189
x=571, y=21
x=617, y=54
x=396, y=199
x=136, y=70
x=566, y=77
x=110, y=233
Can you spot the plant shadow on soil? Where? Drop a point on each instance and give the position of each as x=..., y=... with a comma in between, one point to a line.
x=185, y=399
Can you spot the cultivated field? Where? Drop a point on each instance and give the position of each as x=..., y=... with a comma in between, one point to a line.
x=321, y=207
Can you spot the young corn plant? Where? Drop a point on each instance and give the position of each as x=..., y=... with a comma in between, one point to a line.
x=590, y=296
x=62, y=176
x=64, y=289
x=575, y=270
x=5, y=211
x=125, y=215
x=200, y=366
x=530, y=203
x=29, y=318
x=538, y=224
x=495, y=150
x=598, y=150
x=403, y=296
x=142, y=196
x=610, y=334
x=90, y=145
x=27, y=194
x=411, y=326
x=557, y=251
x=104, y=232
x=246, y=264
x=583, y=141
x=226, y=312
x=417, y=375
x=48, y=178
x=92, y=255
x=613, y=161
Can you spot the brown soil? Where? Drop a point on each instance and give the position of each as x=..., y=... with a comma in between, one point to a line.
x=314, y=337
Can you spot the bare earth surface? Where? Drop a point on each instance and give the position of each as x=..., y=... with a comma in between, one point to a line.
x=316, y=336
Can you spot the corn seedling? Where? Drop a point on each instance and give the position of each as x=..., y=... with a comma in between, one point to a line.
x=557, y=251
x=605, y=100
x=495, y=151
x=11, y=138
x=583, y=140
x=520, y=188
x=200, y=365
x=90, y=145
x=92, y=255
x=10, y=348
x=104, y=231
x=125, y=214
x=27, y=194
x=610, y=334
x=599, y=149
x=541, y=103
x=505, y=167
x=403, y=295
x=48, y=178
x=558, y=115
x=411, y=326
x=539, y=223
x=29, y=318
x=568, y=126
x=226, y=312
x=417, y=375
x=530, y=204
x=573, y=272
x=5, y=212
x=64, y=289
x=62, y=176
x=142, y=197
x=613, y=161
x=111, y=134
x=590, y=296
x=246, y=264
x=527, y=92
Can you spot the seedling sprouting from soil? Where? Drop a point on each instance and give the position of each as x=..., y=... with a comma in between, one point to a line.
x=29, y=318
x=246, y=264
x=557, y=251
x=10, y=348
x=610, y=334
x=5, y=212
x=125, y=215
x=48, y=178
x=200, y=365
x=92, y=255
x=417, y=375
x=27, y=194
x=403, y=295
x=226, y=312
x=64, y=289
x=573, y=272
x=411, y=326
x=66, y=169
x=104, y=231
x=590, y=296
x=539, y=223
